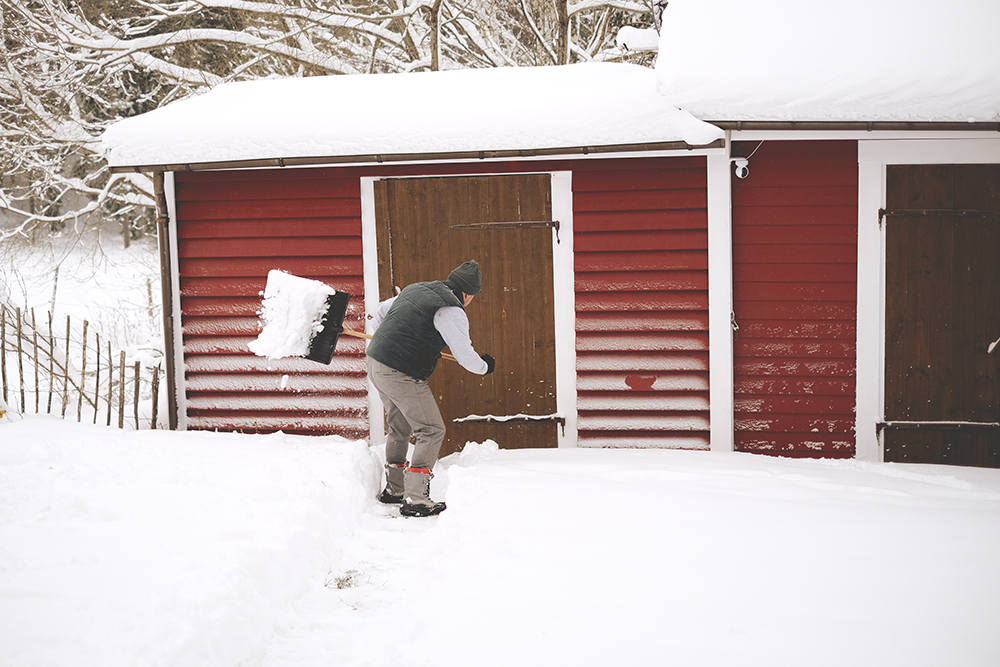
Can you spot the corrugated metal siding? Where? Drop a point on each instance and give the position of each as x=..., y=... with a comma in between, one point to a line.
x=233, y=227
x=795, y=291
x=641, y=248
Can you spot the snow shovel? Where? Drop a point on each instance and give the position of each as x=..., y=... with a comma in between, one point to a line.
x=323, y=344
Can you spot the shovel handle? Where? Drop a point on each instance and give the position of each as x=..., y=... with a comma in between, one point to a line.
x=362, y=334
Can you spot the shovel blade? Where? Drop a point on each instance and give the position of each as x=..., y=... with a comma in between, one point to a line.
x=324, y=343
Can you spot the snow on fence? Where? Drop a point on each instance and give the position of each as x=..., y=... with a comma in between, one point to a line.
x=73, y=373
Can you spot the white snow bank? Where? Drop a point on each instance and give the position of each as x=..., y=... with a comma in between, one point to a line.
x=292, y=312
x=855, y=60
x=158, y=548
x=523, y=108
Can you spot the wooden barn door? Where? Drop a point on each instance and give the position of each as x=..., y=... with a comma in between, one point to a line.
x=428, y=226
x=942, y=395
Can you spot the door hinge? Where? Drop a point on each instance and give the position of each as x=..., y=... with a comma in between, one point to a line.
x=734, y=325
x=513, y=224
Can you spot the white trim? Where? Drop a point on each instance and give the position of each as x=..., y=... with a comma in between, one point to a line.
x=180, y=388
x=873, y=157
x=564, y=294
x=564, y=298
x=961, y=150
x=369, y=260
x=871, y=312
x=720, y=302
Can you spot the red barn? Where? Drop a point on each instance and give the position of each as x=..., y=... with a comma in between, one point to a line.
x=820, y=301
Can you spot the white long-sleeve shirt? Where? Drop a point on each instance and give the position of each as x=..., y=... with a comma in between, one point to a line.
x=453, y=325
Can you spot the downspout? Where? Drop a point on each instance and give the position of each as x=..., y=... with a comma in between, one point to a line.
x=166, y=282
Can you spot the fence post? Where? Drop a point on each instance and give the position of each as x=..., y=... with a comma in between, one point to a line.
x=65, y=397
x=34, y=343
x=20, y=361
x=83, y=375
x=97, y=380
x=52, y=357
x=156, y=395
x=135, y=397
x=121, y=392
x=3, y=349
x=111, y=381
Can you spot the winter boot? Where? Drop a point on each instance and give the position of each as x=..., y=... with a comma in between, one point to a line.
x=392, y=494
x=416, y=494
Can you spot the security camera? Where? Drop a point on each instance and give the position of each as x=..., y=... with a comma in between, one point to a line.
x=742, y=167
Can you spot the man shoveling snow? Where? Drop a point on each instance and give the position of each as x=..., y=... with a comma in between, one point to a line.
x=411, y=329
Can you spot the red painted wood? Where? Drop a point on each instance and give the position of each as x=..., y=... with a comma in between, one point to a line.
x=261, y=209
x=673, y=260
x=819, y=195
x=642, y=301
x=607, y=221
x=642, y=241
x=795, y=292
x=306, y=267
x=223, y=287
x=640, y=179
x=783, y=291
x=316, y=246
x=691, y=320
x=780, y=253
x=634, y=280
x=305, y=187
x=794, y=234
x=278, y=227
x=641, y=200
x=796, y=216
x=810, y=272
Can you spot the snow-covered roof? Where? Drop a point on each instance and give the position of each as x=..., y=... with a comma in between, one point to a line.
x=852, y=60
x=502, y=109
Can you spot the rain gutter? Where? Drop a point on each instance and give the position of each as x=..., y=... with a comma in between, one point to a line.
x=854, y=126
x=417, y=157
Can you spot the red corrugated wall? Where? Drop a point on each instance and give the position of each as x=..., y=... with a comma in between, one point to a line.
x=641, y=247
x=233, y=227
x=795, y=290
x=641, y=281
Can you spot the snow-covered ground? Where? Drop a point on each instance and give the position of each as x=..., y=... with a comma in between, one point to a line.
x=166, y=548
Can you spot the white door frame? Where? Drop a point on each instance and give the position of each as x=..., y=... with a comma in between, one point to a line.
x=564, y=293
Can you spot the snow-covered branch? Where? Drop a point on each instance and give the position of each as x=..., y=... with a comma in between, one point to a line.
x=69, y=69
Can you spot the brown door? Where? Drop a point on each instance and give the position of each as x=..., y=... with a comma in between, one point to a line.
x=942, y=396
x=428, y=226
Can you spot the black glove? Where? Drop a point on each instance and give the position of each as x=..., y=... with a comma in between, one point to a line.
x=490, y=363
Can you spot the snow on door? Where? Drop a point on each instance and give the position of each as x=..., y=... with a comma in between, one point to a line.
x=428, y=226
x=942, y=395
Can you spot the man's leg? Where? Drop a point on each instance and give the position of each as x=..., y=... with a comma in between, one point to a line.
x=397, y=439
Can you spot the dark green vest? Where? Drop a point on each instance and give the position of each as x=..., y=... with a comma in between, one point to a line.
x=407, y=340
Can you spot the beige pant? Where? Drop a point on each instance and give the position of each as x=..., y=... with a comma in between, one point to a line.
x=410, y=409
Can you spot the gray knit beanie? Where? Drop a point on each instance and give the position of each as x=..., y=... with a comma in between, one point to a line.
x=467, y=277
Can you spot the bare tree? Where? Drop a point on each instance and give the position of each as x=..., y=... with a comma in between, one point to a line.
x=71, y=67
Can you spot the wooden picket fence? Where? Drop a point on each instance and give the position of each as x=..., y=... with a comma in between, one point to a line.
x=48, y=372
